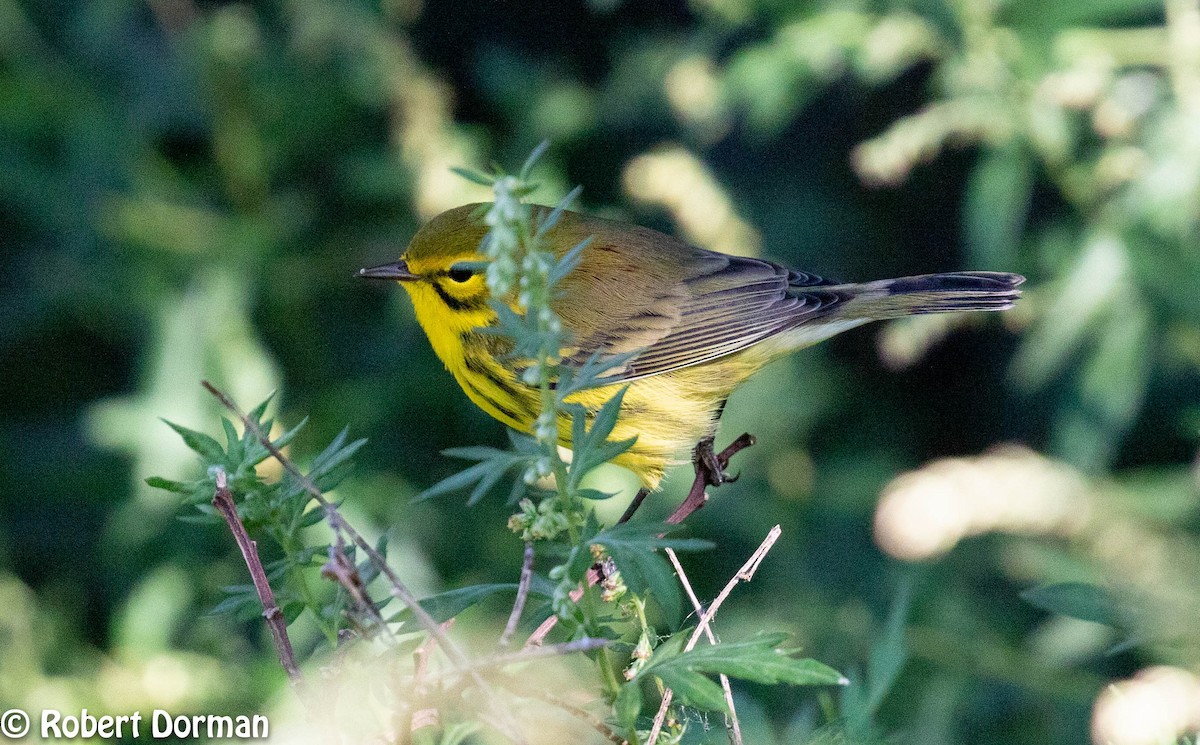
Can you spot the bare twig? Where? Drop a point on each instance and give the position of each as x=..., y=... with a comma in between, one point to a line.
x=522, y=595
x=731, y=722
x=398, y=589
x=586, y=644
x=340, y=569
x=422, y=714
x=223, y=502
x=745, y=574
x=697, y=496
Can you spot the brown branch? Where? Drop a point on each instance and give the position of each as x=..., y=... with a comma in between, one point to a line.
x=697, y=496
x=522, y=595
x=731, y=721
x=340, y=569
x=223, y=502
x=745, y=574
x=398, y=589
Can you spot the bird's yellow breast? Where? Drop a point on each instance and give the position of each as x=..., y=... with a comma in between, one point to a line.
x=667, y=413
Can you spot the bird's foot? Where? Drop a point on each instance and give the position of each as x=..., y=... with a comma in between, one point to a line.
x=708, y=465
x=710, y=471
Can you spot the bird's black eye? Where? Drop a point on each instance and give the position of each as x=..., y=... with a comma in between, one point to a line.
x=461, y=273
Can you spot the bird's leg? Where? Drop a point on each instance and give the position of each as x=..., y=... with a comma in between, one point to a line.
x=708, y=466
x=705, y=469
x=705, y=461
x=633, y=506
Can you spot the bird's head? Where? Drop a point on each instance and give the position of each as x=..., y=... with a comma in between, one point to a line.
x=443, y=272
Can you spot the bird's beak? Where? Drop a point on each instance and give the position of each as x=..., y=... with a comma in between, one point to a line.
x=397, y=270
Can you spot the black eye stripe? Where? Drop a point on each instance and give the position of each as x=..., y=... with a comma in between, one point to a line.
x=476, y=302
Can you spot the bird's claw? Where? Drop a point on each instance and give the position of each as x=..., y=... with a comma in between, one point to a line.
x=708, y=465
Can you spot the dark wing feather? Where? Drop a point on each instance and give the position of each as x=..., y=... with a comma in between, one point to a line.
x=724, y=305
x=730, y=308
x=672, y=305
x=675, y=305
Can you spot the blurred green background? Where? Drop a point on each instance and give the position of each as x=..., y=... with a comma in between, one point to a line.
x=187, y=187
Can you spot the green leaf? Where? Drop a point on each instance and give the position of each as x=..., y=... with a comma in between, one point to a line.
x=547, y=224
x=631, y=546
x=1077, y=600
x=256, y=414
x=589, y=446
x=476, y=452
x=759, y=659
x=474, y=176
x=460, y=480
x=594, y=494
x=290, y=435
x=647, y=535
x=534, y=156
x=199, y=519
x=628, y=704
x=209, y=449
x=233, y=442
x=889, y=652
x=335, y=454
x=231, y=605
x=568, y=262
x=591, y=373
x=693, y=689
x=312, y=517
x=178, y=487
x=447, y=605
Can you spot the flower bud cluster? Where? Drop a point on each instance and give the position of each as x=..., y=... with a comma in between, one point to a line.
x=503, y=245
x=541, y=522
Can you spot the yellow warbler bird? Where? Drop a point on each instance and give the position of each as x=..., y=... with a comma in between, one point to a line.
x=700, y=322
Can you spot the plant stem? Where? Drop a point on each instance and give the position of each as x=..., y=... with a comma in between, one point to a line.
x=223, y=502
x=522, y=594
x=399, y=590
x=745, y=574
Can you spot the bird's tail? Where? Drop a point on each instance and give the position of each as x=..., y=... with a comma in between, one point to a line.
x=931, y=293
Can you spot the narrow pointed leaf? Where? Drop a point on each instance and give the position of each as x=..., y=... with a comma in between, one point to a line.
x=208, y=448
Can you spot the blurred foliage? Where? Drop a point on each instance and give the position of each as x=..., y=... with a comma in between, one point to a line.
x=188, y=187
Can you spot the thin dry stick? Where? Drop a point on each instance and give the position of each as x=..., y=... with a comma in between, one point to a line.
x=398, y=589
x=423, y=716
x=340, y=569
x=731, y=722
x=586, y=644
x=522, y=595
x=223, y=502
x=745, y=574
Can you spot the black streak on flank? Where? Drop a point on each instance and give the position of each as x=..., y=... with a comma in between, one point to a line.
x=500, y=407
x=479, y=367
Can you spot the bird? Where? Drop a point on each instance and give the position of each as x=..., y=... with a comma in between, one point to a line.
x=689, y=325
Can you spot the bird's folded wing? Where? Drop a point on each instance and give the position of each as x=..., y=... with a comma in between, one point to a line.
x=722, y=305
